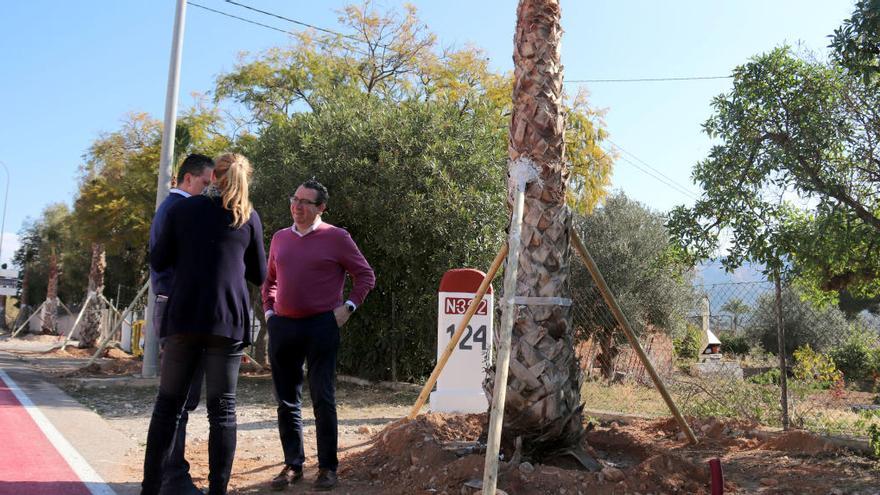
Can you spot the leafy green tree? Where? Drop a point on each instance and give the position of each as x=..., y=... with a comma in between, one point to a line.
x=856, y=44
x=42, y=242
x=419, y=185
x=631, y=247
x=792, y=128
x=394, y=57
x=736, y=308
x=805, y=323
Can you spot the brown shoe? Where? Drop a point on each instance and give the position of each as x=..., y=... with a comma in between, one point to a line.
x=288, y=476
x=326, y=480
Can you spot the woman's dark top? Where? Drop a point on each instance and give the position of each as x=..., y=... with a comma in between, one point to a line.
x=212, y=264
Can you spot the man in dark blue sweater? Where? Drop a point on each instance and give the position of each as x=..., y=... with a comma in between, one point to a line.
x=192, y=178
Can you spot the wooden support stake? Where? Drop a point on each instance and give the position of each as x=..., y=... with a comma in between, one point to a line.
x=108, y=337
x=70, y=313
x=628, y=331
x=82, y=312
x=453, y=341
x=502, y=361
x=19, y=329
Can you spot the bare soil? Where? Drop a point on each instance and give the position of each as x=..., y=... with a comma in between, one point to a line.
x=382, y=454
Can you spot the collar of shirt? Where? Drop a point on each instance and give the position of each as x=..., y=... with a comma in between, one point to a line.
x=309, y=230
x=179, y=191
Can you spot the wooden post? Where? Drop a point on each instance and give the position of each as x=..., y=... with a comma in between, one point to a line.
x=502, y=361
x=630, y=334
x=78, y=319
x=453, y=341
x=108, y=337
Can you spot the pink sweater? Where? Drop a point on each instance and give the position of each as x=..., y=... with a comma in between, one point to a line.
x=306, y=274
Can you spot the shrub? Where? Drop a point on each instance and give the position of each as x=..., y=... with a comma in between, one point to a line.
x=855, y=356
x=769, y=377
x=687, y=345
x=737, y=345
x=815, y=368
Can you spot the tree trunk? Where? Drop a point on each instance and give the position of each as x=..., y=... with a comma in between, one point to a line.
x=90, y=330
x=543, y=391
x=780, y=336
x=608, y=351
x=50, y=308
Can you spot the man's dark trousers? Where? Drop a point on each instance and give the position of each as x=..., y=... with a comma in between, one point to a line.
x=313, y=340
x=177, y=479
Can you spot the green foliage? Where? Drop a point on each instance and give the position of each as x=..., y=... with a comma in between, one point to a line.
x=736, y=308
x=769, y=377
x=791, y=127
x=397, y=60
x=39, y=238
x=804, y=322
x=687, y=346
x=815, y=368
x=630, y=246
x=855, y=43
x=874, y=439
x=856, y=355
x=420, y=187
x=736, y=345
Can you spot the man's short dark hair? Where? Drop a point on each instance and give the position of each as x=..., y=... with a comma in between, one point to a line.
x=194, y=164
x=313, y=184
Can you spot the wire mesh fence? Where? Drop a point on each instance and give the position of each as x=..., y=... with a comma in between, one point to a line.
x=719, y=358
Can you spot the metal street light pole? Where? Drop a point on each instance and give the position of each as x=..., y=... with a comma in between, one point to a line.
x=5, y=199
x=151, y=337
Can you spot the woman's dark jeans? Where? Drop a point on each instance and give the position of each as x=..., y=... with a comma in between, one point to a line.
x=182, y=353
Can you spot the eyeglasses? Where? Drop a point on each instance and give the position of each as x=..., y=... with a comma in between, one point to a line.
x=299, y=201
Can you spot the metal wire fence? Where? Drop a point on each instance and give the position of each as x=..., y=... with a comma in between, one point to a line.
x=742, y=381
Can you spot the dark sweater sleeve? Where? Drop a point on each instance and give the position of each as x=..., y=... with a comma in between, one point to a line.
x=255, y=254
x=164, y=253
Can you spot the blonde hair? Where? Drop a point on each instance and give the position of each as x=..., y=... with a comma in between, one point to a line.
x=233, y=172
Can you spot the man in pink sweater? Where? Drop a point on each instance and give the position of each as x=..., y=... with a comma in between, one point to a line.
x=302, y=297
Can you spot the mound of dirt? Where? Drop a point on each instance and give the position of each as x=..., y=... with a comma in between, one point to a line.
x=425, y=455
x=798, y=442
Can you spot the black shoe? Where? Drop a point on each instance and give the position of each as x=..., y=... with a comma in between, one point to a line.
x=288, y=476
x=181, y=489
x=326, y=479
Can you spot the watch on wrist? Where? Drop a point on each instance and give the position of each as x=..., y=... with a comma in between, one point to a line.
x=349, y=306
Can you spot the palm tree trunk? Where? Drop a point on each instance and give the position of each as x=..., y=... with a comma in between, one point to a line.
x=50, y=308
x=543, y=404
x=91, y=326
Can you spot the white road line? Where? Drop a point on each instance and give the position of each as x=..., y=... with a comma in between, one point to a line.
x=83, y=470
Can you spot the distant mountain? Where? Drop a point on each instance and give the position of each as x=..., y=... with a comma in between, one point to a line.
x=712, y=272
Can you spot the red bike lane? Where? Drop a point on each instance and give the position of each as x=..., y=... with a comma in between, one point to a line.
x=31, y=463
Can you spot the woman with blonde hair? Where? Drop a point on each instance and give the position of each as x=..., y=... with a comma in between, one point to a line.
x=214, y=243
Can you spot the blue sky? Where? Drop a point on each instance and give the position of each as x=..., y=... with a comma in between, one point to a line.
x=73, y=70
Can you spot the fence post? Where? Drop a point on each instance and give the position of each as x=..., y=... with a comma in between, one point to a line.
x=780, y=335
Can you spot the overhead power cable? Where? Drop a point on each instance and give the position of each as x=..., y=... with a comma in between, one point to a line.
x=659, y=177
x=648, y=79
x=300, y=23
x=677, y=184
x=240, y=18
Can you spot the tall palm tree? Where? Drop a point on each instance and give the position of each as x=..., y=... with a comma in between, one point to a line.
x=50, y=307
x=543, y=404
x=91, y=325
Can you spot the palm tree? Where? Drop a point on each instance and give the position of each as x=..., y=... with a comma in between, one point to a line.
x=91, y=326
x=736, y=308
x=543, y=404
x=50, y=307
